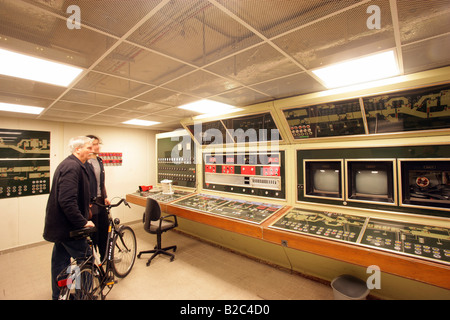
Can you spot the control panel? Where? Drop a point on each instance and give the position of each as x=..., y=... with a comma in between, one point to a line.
x=256, y=174
x=420, y=241
x=176, y=161
x=249, y=211
x=331, y=225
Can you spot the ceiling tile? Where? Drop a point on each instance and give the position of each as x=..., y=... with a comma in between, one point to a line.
x=29, y=88
x=422, y=19
x=77, y=107
x=289, y=86
x=202, y=84
x=202, y=31
x=91, y=98
x=428, y=54
x=242, y=97
x=255, y=65
x=341, y=37
x=34, y=31
x=272, y=18
x=142, y=65
x=167, y=97
x=102, y=83
x=24, y=100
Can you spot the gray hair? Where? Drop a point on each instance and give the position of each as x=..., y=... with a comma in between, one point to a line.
x=78, y=142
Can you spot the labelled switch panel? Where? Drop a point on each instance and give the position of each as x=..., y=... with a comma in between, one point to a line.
x=256, y=174
x=176, y=161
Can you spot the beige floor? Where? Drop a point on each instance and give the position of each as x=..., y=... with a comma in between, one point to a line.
x=200, y=271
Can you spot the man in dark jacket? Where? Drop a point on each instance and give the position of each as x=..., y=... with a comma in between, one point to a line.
x=68, y=208
x=96, y=171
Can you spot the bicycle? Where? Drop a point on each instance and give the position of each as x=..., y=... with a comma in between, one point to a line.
x=87, y=278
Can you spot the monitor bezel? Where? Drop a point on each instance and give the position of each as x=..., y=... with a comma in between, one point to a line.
x=392, y=179
x=306, y=184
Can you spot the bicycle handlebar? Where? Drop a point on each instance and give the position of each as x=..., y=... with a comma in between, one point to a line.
x=113, y=205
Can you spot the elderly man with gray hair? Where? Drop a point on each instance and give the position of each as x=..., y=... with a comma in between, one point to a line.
x=68, y=208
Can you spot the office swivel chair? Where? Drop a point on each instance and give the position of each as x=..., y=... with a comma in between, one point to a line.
x=155, y=224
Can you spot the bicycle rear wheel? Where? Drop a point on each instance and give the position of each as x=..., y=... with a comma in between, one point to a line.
x=124, y=253
x=81, y=284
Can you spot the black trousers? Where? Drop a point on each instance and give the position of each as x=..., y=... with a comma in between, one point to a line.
x=100, y=219
x=62, y=252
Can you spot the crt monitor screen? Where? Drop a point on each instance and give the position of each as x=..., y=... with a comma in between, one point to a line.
x=371, y=181
x=323, y=179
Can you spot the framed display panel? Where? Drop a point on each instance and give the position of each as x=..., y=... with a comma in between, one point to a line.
x=323, y=179
x=396, y=156
x=419, y=109
x=24, y=177
x=425, y=183
x=259, y=174
x=341, y=118
x=18, y=144
x=371, y=180
x=24, y=163
x=206, y=133
x=252, y=128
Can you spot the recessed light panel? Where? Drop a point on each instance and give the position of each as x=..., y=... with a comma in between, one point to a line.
x=26, y=67
x=138, y=122
x=209, y=107
x=369, y=68
x=20, y=108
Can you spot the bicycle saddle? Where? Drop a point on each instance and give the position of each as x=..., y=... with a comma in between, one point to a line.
x=82, y=233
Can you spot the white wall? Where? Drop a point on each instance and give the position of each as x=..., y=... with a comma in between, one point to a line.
x=22, y=219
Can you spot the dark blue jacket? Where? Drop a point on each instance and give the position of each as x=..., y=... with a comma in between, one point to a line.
x=68, y=202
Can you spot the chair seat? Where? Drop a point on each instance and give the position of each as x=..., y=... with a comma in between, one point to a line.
x=165, y=225
x=156, y=224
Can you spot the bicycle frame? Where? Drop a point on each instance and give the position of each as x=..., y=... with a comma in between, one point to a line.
x=104, y=269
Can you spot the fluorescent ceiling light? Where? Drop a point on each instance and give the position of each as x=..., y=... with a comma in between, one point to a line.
x=208, y=107
x=365, y=69
x=20, y=108
x=30, y=68
x=138, y=122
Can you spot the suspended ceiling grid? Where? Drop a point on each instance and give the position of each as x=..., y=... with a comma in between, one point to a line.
x=144, y=58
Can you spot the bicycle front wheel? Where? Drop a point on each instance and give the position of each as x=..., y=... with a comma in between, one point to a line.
x=124, y=253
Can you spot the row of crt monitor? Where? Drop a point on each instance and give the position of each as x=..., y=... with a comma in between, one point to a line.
x=421, y=183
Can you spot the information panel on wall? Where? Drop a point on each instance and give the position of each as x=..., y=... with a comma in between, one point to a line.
x=24, y=163
x=419, y=109
x=326, y=120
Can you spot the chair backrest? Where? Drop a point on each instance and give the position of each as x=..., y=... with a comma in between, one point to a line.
x=152, y=212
